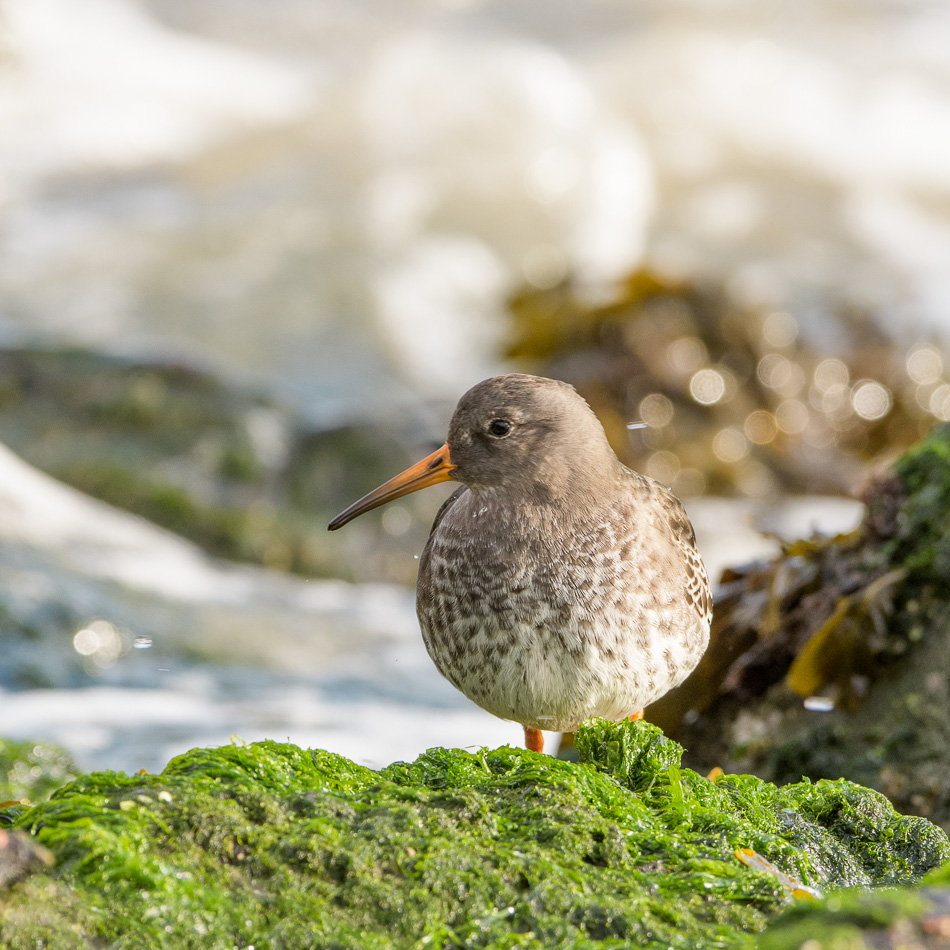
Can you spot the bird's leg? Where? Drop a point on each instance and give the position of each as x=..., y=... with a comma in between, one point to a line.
x=566, y=751
x=533, y=739
x=636, y=716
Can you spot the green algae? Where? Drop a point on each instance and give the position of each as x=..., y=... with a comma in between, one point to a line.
x=832, y=832
x=32, y=770
x=274, y=846
x=920, y=542
x=852, y=920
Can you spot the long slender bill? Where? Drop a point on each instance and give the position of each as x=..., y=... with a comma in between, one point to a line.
x=433, y=469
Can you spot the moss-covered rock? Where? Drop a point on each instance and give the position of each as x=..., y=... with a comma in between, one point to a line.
x=834, y=659
x=917, y=541
x=228, y=466
x=32, y=770
x=273, y=846
x=885, y=919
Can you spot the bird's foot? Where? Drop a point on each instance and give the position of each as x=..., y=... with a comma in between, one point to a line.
x=636, y=716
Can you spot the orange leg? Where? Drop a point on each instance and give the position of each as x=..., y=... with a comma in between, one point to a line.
x=533, y=739
x=636, y=716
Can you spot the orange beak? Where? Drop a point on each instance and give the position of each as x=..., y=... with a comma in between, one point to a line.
x=433, y=469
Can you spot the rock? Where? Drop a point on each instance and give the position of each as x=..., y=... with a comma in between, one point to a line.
x=20, y=857
x=231, y=467
x=733, y=399
x=834, y=659
x=272, y=845
x=887, y=919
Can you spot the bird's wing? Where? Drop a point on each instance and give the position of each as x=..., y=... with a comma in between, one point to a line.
x=683, y=536
x=697, y=583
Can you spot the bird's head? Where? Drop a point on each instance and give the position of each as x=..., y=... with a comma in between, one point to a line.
x=528, y=436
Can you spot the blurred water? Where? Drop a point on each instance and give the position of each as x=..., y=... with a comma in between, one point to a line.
x=335, y=199
x=338, y=197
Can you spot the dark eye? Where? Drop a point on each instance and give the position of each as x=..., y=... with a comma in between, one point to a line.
x=499, y=428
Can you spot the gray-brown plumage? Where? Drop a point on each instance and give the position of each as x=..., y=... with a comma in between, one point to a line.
x=556, y=584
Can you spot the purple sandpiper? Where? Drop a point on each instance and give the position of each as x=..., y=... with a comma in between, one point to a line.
x=557, y=584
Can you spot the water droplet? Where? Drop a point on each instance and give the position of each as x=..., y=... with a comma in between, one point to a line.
x=731, y=445
x=687, y=354
x=870, y=399
x=940, y=402
x=101, y=641
x=655, y=410
x=85, y=642
x=396, y=520
x=924, y=364
x=760, y=426
x=707, y=387
x=831, y=375
x=780, y=329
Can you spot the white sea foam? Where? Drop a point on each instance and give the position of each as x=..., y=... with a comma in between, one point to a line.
x=423, y=162
x=99, y=84
x=131, y=729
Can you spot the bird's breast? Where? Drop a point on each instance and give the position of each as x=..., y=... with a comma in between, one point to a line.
x=524, y=611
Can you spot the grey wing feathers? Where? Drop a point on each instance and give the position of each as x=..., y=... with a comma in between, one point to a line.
x=697, y=583
x=697, y=587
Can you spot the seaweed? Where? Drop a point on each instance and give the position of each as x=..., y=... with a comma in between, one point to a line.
x=834, y=659
x=272, y=845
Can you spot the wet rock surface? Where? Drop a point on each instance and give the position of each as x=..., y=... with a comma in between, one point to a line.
x=834, y=659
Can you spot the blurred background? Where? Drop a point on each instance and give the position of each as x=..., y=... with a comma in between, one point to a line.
x=252, y=251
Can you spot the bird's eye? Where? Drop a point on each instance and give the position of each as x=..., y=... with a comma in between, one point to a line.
x=499, y=428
